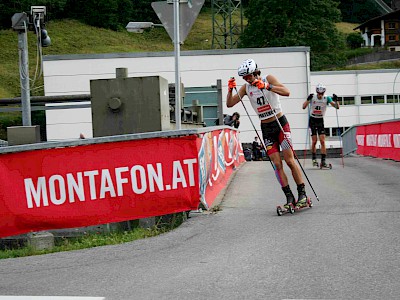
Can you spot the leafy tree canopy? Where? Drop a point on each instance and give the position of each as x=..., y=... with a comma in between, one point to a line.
x=111, y=14
x=282, y=23
x=360, y=11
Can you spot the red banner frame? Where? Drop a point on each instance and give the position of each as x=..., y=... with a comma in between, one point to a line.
x=379, y=140
x=110, y=182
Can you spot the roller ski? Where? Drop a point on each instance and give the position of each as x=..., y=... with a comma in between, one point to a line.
x=290, y=208
x=325, y=166
x=291, y=205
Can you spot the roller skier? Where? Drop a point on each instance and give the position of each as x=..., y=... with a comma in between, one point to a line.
x=264, y=93
x=318, y=104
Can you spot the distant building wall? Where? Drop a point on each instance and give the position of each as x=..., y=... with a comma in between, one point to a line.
x=71, y=74
x=370, y=96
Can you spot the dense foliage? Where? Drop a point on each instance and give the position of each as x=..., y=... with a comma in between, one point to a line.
x=281, y=23
x=110, y=14
x=359, y=11
x=271, y=23
x=114, y=14
x=354, y=40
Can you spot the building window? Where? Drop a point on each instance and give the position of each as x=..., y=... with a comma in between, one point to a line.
x=378, y=99
x=392, y=25
x=348, y=101
x=340, y=100
x=366, y=100
x=392, y=38
x=392, y=98
x=327, y=132
x=337, y=131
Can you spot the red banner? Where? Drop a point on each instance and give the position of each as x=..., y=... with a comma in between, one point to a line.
x=112, y=182
x=97, y=184
x=220, y=152
x=379, y=140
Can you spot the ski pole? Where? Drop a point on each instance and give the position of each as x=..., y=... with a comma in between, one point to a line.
x=340, y=137
x=261, y=140
x=290, y=144
x=307, y=134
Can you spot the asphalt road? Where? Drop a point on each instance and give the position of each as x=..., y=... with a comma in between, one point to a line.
x=347, y=246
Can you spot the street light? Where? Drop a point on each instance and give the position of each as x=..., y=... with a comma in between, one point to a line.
x=176, y=32
x=139, y=27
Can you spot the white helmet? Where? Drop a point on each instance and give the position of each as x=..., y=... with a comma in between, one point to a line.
x=320, y=88
x=247, y=67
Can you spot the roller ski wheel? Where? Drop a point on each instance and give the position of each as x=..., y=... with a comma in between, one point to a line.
x=325, y=166
x=315, y=164
x=284, y=209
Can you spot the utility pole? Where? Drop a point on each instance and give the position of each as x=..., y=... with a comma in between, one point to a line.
x=24, y=77
x=177, y=52
x=172, y=19
x=22, y=24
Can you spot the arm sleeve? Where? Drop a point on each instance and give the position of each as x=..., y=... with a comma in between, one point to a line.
x=329, y=99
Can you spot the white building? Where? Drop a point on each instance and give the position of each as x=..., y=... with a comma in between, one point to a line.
x=366, y=96
x=71, y=74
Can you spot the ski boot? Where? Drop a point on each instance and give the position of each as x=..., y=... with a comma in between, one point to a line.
x=302, y=200
x=314, y=162
x=324, y=165
x=290, y=200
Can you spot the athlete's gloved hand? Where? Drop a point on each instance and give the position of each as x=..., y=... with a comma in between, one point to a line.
x=335, y=98
x=231, y=83
x=261, y=84
x=310, y=97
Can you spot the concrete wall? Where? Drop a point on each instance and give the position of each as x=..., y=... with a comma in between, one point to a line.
x=71, y=74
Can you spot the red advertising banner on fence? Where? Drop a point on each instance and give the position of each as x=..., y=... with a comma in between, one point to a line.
x=379, y=140
x=97, y=184
x=220, y=152
x=112, y=182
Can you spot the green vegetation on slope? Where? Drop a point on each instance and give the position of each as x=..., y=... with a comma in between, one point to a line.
x=73, y=37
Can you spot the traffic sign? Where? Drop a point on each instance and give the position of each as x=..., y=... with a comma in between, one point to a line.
x=188, y=12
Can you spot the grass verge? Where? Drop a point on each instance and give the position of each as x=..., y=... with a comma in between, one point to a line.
x=90, y=240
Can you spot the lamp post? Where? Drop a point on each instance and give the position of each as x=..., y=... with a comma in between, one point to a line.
x=139, y=27
x=177, y=34
x=177, y=52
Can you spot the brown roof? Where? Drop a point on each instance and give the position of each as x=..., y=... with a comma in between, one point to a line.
x=385, y=16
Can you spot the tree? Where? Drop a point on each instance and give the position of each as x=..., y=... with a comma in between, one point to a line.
x=359, y=11
x=284, y=23
x=54, y=9
x=111, y=14
x=354, y=40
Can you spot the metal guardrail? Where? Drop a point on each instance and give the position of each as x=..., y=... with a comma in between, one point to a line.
x=47, y=99
x=349, y=136
x=349, y=140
